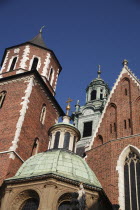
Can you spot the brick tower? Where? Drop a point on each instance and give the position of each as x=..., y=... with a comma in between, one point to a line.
x=114, y=153
x=28, y=80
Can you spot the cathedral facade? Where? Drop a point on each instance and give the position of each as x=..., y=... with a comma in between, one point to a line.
x=39, y=167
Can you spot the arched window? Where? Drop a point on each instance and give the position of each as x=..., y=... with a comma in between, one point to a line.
x=35, y=146
x=56, y=140
x=13, y=64
x=93, y=95
x=34, y=64
x=43, y=114
x=2, y=97
x=30, y=204
x=66, y=140
x=66, y=205
x=132, y=181
x=51, y=75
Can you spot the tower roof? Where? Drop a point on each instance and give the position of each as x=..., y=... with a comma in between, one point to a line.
x=38, y=40
x=59, y=163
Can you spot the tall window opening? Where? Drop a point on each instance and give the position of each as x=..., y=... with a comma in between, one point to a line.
x=30, y=204
x=125, y=126
x=66, y=140
x=101, y=96
x=87, y=131
x=13, y=64
x=34, y=64
x=43, y=114
x=35, y=146
x=93, y=94
x=115, y=127
x=51, y=74
x=129, y=123
x=132, y=181
x=2, y=97
x=74, y=143
x=110, y=128
x=125, y=91
x=56, y=140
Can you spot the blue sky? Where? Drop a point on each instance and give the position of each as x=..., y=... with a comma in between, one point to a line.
x=82, y=34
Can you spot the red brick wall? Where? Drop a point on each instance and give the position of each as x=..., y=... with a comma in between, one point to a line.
x=103, y=157
x=31, y=127
x=34, y=51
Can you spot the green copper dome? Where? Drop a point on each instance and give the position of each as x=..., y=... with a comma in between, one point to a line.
x=58, y=162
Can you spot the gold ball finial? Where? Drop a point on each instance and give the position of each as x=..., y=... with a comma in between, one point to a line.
x=68, y=106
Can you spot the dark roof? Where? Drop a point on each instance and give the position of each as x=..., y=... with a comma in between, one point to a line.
x=38, y=40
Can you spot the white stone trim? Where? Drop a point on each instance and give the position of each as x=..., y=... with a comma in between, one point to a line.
x=56, y=80
x=25, y=57
x=120, y=169
x=20, y=121
x=133, y=77
x=31, y=62
x=46, y=65
x=5, y=61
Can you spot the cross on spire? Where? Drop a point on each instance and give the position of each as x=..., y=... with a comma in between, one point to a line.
x=68, y=106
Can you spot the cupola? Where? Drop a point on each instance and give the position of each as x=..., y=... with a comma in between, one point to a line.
x=64, y=135
x=97, y=90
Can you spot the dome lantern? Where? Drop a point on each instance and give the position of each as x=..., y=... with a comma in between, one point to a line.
x=64, y=135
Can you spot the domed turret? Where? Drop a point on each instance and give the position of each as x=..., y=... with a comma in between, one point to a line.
x=64, y=135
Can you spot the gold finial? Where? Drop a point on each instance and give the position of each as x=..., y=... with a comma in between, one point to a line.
x=68, y=106
x=42, y=29
x=99, y=71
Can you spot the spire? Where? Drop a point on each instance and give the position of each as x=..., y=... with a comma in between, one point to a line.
x=38, y=40
x=99, y=71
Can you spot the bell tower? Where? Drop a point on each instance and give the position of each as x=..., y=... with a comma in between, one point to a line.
x=28, y=108
x=87, y=117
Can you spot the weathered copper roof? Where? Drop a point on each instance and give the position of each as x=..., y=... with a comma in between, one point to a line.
x=58, y=162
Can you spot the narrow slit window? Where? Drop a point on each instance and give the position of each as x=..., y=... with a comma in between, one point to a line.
x=51, y=74
x=125, y=126
x=2, y=97
x=129, y=123
x=43, y=114
x=35, y=147
x=13, y=64
x=34, y=64
x=115, y=127
x=125, y=92
x=110, y=128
